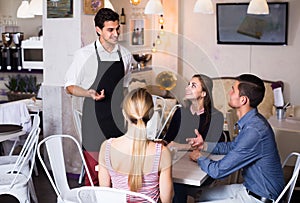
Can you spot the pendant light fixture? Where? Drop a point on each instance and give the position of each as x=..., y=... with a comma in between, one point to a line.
x=258, y=7
x=204, y=6
x=107, y=4
x=36, y=7
x=23, y=10
x=135, y=2
x=154, y=7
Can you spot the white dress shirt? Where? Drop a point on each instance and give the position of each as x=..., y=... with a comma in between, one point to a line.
x=83, y=69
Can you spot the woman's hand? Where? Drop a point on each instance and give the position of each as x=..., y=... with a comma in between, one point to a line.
x=197, y=142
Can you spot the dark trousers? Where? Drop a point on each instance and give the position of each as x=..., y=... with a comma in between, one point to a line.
x=91, y=159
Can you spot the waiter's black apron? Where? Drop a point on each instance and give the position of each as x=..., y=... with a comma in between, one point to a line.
x=103, y=119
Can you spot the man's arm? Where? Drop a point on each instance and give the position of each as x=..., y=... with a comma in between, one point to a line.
x=80, y=92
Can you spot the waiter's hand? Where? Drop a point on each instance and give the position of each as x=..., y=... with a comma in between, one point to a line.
x=195, y=155
x=95, y=95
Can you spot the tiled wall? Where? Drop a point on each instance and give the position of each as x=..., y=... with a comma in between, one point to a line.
x=4, y=77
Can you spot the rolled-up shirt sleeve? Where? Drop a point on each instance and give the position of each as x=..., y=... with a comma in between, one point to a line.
x=73, y=74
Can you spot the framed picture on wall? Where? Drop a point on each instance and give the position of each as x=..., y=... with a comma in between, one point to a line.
x=91, y=7
x=59, y=8
x=235, y=26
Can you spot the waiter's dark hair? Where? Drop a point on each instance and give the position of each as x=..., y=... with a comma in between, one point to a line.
x=105, y=14
x=252, y=87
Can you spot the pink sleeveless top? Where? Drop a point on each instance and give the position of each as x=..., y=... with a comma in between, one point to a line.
x=150, y=185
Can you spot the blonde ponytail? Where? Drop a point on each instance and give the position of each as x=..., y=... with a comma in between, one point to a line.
x=138, y=106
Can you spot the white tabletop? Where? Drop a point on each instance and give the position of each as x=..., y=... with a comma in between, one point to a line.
x=290, y=124
x=188, y=172
x=4, y=137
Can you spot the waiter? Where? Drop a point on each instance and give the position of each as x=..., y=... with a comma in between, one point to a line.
x=97, y=74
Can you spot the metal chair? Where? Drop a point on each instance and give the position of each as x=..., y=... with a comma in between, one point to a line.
x=172, y=111
x=106, y=194
x=60, y=184
x=17, y=181
x=289, y=188
x=77, y=118
x=154, y=125
x=10, y=162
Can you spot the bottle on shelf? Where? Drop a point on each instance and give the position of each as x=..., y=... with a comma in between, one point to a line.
x=142, y=36
x=134, y=37
x=138, y=35
x=123, y=17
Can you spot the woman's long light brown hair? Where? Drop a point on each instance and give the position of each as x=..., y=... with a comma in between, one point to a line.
x=138, y=107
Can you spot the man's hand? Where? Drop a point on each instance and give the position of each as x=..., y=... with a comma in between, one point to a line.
x=95, y=95
x=195, y=155
x=197, y=142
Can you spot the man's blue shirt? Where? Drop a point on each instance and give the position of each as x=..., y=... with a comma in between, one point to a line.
x=255, y=151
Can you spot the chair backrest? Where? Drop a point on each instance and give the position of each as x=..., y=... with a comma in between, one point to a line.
x=231, y=119
x=154, y=125
x=172, y=111
x=106, y=194
x=291, y=183
x=33, y=134
x=27, y=155
x=54, y=147
x=36, y=120
x=77, y=118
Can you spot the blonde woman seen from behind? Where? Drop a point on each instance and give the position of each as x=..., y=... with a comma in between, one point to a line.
x=132, y=162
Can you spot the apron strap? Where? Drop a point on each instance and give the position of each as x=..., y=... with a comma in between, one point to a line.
x=98, y=57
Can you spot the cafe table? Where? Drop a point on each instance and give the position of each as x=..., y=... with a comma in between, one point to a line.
x=8, y=131
x=186, y=171
x=287, y=135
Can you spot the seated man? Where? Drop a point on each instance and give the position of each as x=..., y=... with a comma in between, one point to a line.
x=254, y=150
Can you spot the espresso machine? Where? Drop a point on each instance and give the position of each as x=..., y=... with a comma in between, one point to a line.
x=16, y=60
x=5, y=51
x=11, y=51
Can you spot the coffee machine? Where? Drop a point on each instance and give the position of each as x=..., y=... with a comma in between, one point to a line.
x=5, y=51
x=16, y=60
x=11, y=51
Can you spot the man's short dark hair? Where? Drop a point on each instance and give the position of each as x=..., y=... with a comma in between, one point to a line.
x=252, y=87
x=105, y=14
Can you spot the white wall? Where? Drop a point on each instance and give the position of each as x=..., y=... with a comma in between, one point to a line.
x=201, y=50
x=198, y=48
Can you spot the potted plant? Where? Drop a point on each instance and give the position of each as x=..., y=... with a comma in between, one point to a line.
x=22, y=87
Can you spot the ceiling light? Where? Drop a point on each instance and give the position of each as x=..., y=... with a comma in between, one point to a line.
x=258, y=7
x=154, y=7
x=107, y=4
x=135, y=2
x=23, y=10
x=204, y=6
